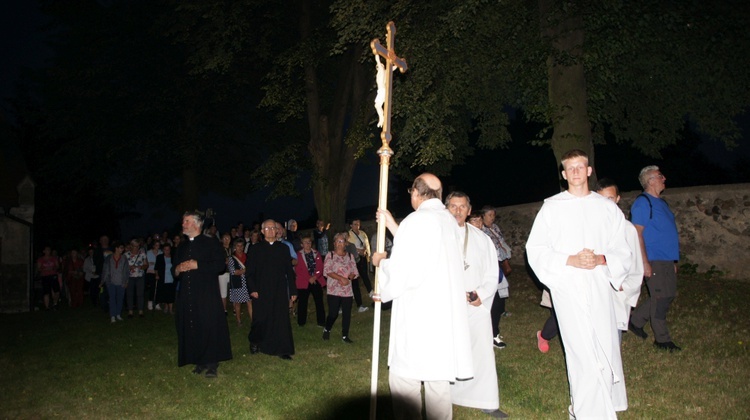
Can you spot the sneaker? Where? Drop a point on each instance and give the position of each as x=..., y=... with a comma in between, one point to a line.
x=372, y=292
x=150, y=305
x=341, y=311
x=346, y=339
x=119, y=318
x=112, y=320
x=541, y=343
x=638, y=331
x=667, y=346
x=211, y=373
x=506, y=314
x=498, y=342
x=157, y=307
x=326, y=334
x=363, y=309
x=496, y=414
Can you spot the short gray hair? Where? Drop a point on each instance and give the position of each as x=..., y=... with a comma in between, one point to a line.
x=457, y=194
x=643, y=176
x=197, y=216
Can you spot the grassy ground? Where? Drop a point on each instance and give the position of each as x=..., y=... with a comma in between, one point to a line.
x=74, y=364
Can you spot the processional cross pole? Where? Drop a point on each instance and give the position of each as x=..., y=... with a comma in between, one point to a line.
x=383, y=102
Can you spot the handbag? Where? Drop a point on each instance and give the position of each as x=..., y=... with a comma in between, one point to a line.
x=505, y=266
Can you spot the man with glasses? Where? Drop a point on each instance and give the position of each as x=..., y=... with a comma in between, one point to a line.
x=660, y=248
x=272, y=285
x=429, y=338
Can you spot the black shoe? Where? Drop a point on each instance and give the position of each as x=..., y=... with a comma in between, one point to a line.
x=254, y=349
x=638, y=331
x=211, y=373
x=285, y=357
x=667, y=346
x=326, y=334
x=498, y=342
x=199, y=369
x=346, y=339
x=496, y=414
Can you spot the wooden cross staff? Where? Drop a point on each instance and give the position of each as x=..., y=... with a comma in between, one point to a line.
x=383, y=103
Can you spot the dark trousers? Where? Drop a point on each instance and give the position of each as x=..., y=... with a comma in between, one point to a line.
x=498, y=307
x=94, y=291
x=150, y=286
x=303, y=296
x=550, y=329
x=135, y=291
x=365, y=276
x=662, y=289
x=345, y=304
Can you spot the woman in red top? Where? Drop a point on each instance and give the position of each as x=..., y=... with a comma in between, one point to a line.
x=48, y=266
x=73, y=275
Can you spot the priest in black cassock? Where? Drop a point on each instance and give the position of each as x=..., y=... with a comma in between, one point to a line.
x=202, y=330
x=271, y=283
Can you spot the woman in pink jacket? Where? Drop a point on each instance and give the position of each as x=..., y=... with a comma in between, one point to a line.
x=310, y=280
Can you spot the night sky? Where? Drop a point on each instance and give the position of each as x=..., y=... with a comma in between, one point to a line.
x=522, y=173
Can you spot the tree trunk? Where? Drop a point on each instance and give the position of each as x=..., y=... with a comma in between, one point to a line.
x=333, y=159
x=562, y=28
x=190, y=191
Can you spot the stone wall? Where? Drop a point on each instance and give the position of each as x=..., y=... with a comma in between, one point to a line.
x=713, y=222
x=15, y=265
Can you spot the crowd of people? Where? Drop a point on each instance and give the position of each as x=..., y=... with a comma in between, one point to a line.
x=445, y=273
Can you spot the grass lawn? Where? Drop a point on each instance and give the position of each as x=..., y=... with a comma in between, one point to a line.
x=73, y=363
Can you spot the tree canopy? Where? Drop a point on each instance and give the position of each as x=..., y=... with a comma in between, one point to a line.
x=201, y=94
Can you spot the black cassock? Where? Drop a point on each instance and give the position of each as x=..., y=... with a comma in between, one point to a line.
x=202, y=330
x=270, y=273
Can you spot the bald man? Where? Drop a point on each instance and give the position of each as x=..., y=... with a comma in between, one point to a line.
x=429, y=337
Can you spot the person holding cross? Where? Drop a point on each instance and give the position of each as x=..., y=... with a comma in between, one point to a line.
x=429, y=338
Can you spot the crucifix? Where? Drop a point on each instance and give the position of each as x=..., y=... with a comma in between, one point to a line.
x=383, y=102
x=385, y=79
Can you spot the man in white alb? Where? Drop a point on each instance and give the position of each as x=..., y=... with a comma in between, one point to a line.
x=429, y=338
x=480, y=282
x=577, y=248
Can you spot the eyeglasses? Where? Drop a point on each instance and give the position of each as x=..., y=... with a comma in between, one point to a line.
x=269, y=228
x=410, y=189
x=340, y=241
x=660, y=176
